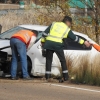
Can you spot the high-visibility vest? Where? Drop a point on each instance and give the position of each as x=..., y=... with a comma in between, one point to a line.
x=58, y=31
x=24, y=35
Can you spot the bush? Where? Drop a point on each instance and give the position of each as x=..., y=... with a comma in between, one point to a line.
x=85, y=69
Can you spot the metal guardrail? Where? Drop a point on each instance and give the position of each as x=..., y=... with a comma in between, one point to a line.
x=17, y=11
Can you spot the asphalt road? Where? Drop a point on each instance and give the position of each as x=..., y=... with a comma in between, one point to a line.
x=39, y=90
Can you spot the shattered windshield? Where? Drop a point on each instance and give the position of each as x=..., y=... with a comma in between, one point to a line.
x=10, y=32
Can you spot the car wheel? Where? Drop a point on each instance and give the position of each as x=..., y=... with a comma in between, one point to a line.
x=6, y=68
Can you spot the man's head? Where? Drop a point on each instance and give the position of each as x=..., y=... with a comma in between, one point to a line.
x=67, y=20
x=35, y=32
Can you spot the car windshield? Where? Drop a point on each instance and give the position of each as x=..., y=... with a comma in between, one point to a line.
x=9, y=33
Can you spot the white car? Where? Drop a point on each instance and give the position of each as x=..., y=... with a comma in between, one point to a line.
x=36, y=62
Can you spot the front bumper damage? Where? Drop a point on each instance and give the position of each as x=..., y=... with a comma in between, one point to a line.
x=5, y=61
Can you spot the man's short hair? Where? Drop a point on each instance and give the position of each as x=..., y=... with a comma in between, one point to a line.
x=67, y=18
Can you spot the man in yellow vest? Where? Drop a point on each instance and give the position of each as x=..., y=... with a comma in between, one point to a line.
x=20, y=42
x=53, y=42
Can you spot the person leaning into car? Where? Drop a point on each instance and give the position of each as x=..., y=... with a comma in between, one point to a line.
x=53, y=42
x=20, y=42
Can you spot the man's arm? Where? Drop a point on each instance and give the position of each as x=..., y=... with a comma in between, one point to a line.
x=45, y=33
x=78, y=39
x=75, y=38
x=32, y=41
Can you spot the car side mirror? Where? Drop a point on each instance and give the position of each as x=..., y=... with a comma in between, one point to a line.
x=0, y=28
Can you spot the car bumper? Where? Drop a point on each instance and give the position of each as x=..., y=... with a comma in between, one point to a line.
x=4, y=57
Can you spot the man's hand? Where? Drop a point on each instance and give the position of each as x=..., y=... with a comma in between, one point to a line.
x=42, y=44
x=87, y=43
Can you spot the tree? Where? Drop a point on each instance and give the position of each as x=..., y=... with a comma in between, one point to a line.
x=92, y=8
x=62, y=4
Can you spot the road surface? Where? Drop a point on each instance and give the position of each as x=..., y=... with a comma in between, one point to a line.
x=40, y=90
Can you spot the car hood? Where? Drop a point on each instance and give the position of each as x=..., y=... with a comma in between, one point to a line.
x=4, y=43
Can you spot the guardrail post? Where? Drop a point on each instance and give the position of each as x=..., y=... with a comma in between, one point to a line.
x=0, y=28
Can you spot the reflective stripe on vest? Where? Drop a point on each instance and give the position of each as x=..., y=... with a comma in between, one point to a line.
x=58, y=31
x=25, y=35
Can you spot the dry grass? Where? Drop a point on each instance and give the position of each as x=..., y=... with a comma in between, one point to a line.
x=34, y=16
x=84, y=70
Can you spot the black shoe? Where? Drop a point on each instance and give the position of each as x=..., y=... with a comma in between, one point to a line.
x=61, y=80
x=14, y=78
x=66, y=79
x=65, y=76
x=47, y=76
x=28, y=78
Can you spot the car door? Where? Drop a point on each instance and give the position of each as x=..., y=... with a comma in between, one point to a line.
x=72, y=45
x=39, y=61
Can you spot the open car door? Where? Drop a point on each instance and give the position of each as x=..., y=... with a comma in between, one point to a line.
x=72, y=45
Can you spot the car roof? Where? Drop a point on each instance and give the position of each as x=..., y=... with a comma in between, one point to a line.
x=34, y=27
x=80, y=34
x=42, y=28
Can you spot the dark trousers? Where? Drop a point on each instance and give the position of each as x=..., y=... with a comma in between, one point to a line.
x=49, y=56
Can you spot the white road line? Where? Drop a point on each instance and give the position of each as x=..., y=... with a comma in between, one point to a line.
x=76, y=88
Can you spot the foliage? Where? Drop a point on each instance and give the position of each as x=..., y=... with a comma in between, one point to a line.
x=92, y=8
x=34, y=16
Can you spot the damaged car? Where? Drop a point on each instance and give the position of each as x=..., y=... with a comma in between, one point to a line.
x=35, y=58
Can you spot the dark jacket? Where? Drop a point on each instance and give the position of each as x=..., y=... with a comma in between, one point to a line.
x=51, y=45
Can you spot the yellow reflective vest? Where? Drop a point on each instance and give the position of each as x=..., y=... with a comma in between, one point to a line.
x=58, y=31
